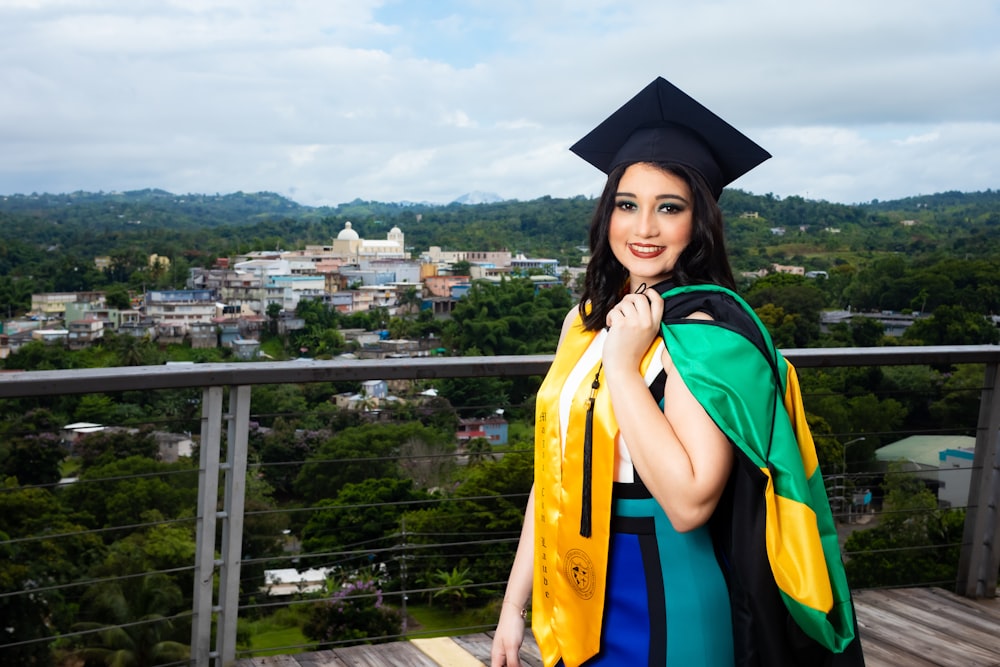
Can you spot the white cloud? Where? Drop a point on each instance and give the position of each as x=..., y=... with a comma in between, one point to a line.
x=393, y=100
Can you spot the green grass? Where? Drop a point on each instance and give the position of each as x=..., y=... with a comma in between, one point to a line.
x=272, y=635
x=439, y=621
x=281, y=629
x=270, y=642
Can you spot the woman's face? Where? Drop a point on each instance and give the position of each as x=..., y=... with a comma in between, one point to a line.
x=651, y=223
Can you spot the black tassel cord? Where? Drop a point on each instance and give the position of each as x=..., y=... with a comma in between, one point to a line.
x=586, y=502
x=586, y=508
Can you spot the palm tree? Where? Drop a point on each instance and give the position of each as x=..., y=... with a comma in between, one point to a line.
x=479, y=450
x=132, y=625
x=453, y=587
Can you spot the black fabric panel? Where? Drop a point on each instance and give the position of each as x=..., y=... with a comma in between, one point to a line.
x=764, y=633
x=650, y=550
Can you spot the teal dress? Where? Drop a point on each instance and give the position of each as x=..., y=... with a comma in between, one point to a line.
x=668, y=603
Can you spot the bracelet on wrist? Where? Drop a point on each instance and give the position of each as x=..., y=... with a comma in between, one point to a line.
x=523, y=611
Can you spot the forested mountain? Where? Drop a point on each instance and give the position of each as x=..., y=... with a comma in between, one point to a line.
x=546, y=226
x=48, y=242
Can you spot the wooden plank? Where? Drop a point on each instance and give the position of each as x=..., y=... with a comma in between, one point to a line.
x=479, y=645
x=880, y=655
x=927, y=627
x=446, y=652
x=398, y=654
x=952, y=615
x=960, y=633
x=268, y=661
x=986, y=606
x=320, y=659
x=902, y=634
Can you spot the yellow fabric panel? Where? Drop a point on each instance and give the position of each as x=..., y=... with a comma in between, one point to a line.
x=795, y=551
x=797, y=415
x=570, y=570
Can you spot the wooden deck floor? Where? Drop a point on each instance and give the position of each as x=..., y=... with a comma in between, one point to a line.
x=912, y=627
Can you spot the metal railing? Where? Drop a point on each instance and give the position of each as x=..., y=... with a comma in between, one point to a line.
x=225, y=419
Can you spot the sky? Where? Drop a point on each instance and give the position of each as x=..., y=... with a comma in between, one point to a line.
x=326, y=101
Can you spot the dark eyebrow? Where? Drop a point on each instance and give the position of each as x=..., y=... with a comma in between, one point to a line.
x=658, y=197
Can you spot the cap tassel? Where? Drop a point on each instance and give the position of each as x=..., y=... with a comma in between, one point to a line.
x=586, y=502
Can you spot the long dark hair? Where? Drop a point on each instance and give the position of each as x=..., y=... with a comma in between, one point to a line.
x=704, y=260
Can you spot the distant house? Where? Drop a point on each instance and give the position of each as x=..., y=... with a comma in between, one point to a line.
x=893, y=324
x=245, y=348
x=943, y=461
x=791, y=270
x=71, y=433
x=50, y=335
x=84, y=332
x=172, y=446
x=289, y=581
x=493, y=428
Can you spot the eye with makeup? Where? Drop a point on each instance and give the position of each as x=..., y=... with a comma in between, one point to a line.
x=671, y=207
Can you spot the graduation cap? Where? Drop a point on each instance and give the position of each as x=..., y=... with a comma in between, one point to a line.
x=662, y=123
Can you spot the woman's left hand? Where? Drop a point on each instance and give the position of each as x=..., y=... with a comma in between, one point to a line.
x=633, y=324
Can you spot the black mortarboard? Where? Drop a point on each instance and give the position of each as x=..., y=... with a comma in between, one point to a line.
x=664, y=124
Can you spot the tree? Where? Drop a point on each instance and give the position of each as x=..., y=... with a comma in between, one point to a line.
x=479, y=450
x=356, y=454
x=159, y=546
x=915, y=542
x=461, y=268
x=269, y=401
x=114, y=444
x=958, y=406
x=510, y=318
x=131, y=487
x=800, y=301
x=273, y=315
x=117, y=296
x=353, y=614
x=130, y=350
x=780, y=325
x=110, y=611
x=33, y=458
x=453, y=587
x=361, y=514
x=410, y=299
x=866, y=332
x=428, y=464
x=487, y=505
x=952, y=325
x=32, y=608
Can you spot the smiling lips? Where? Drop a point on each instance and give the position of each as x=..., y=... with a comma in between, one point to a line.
x=646, y=251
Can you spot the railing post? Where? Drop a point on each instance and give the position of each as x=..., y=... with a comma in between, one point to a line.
x=232, y=521
x=208, y=499
x=979, y=562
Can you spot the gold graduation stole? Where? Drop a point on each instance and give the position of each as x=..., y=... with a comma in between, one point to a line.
x=572, y=516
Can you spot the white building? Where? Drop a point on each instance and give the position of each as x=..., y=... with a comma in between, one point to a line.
x=350, y=246
x=945, y=460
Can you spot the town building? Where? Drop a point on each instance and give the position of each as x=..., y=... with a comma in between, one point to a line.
x=944, y=462
x=492, y=428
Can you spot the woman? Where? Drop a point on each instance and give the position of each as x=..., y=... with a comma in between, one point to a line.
x=616, y=551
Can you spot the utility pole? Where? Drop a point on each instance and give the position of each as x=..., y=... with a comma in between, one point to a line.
x=402, y=571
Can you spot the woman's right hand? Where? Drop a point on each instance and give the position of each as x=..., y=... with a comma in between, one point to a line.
x=508, y=638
